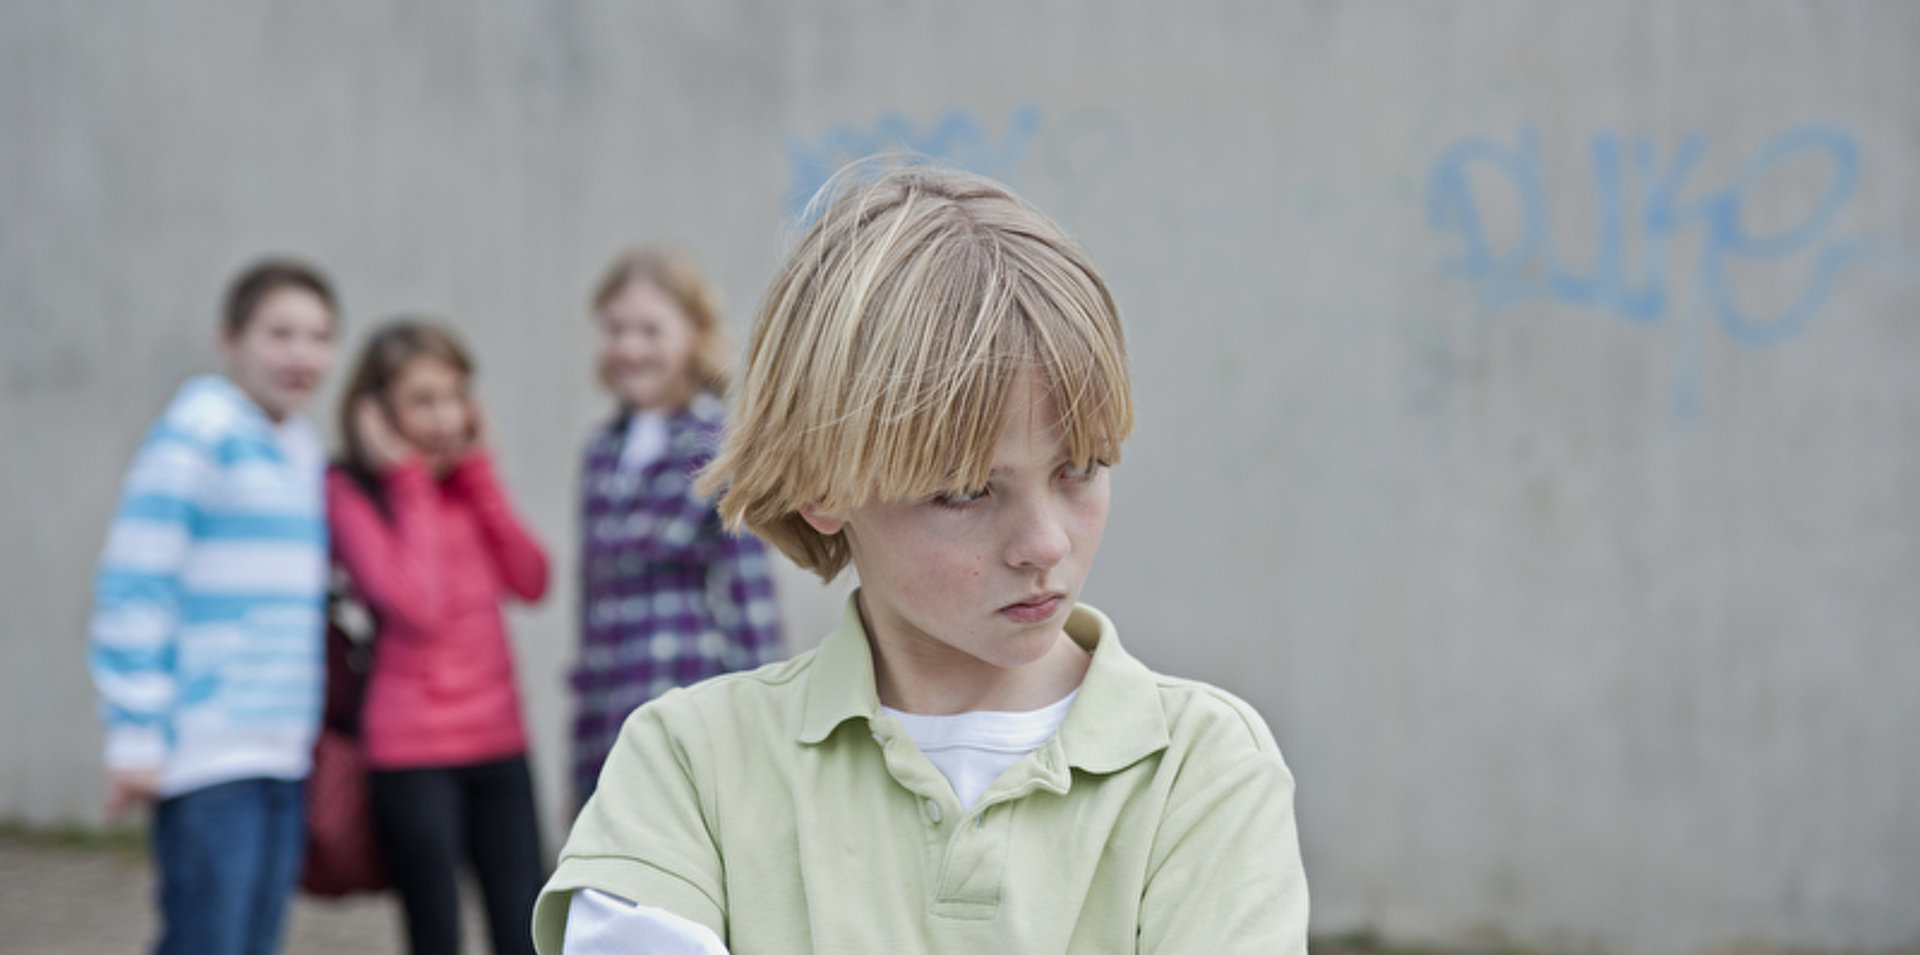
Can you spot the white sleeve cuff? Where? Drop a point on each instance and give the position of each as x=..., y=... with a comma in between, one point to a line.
x=602, y=924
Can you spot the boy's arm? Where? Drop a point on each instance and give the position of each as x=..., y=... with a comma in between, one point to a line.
x=1226, y=873
x=644, y=835
x=516, y=555
x=741, y=598
x=133, y=635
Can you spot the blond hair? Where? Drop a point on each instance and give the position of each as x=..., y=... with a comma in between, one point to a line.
x=673, y=273
x=885, y=350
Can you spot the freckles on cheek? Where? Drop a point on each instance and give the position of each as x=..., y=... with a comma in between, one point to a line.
x=969, y=567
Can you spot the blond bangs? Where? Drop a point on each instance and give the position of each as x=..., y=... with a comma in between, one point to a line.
x=885, y=352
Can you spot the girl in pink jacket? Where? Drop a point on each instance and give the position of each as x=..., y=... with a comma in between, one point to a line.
x=432, y=545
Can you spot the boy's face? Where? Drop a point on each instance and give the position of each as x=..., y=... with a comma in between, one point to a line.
x=984, y=583
x=283, y=352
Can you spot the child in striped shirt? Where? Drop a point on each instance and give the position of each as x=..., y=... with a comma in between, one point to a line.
x=209, y=610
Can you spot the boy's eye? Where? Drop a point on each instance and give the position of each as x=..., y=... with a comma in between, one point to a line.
x=959, y=498
x=1083, y=474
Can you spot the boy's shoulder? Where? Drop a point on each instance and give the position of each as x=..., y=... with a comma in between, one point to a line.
x=742, y=691
x=741, y=718
x=205, y=410
x=1201, y=714
x=1130, y=706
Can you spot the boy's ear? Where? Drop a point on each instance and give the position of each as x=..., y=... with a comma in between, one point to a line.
x=224, y=344
x=827, y=524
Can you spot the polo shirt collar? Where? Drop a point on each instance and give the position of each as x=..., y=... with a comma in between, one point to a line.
x=840, y=684
x=1116, y=720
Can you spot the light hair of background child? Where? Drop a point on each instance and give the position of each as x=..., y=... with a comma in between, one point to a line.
x=674, y=274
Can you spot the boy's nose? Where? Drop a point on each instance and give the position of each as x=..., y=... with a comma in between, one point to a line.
x=1039, y=539
x=314, y=356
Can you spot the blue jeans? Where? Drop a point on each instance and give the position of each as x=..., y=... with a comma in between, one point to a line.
x=228, y=858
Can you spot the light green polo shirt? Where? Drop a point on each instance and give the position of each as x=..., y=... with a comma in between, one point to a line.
x=784, y=810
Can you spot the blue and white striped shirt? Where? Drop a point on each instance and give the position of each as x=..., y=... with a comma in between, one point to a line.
x=211, y=596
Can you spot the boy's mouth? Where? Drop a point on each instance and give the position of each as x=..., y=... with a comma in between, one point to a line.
x=1034, y=609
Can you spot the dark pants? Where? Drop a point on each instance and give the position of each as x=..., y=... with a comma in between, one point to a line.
x=228, y=856
x=429, y=820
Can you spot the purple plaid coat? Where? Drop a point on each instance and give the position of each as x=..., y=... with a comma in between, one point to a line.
x=668, y=597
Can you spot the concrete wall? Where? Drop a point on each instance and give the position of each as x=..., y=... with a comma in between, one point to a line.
x=1528, y=391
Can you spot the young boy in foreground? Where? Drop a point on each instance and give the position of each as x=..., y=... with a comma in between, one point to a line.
x=936, y=387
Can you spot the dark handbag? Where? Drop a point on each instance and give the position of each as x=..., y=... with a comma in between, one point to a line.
x=343, y=855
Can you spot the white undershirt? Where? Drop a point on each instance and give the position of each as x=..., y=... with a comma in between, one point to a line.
x=646, y=440
x=970, y=749
x=973, y=749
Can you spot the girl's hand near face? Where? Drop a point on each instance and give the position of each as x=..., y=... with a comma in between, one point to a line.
x=479, y=429
x=384, y=446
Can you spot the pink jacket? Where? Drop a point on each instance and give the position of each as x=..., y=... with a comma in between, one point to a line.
x=434, y=567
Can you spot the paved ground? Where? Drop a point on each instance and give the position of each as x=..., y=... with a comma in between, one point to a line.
x=63, y=896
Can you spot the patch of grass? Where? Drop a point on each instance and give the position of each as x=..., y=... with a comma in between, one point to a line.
x=129, y=841
x=1362, y=941
x=1367, y=941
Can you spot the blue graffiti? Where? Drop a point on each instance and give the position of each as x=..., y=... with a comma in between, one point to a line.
x=1532, y=270
x=955, y=139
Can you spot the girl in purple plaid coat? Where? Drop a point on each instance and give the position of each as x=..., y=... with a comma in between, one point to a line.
x=668, y=597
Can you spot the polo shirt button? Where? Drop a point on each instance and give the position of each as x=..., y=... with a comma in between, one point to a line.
x=933, y=811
